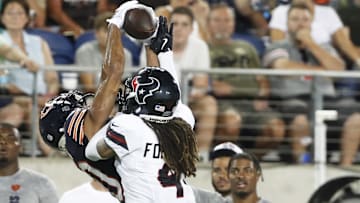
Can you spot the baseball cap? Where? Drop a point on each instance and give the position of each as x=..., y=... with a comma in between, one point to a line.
x=225, y=149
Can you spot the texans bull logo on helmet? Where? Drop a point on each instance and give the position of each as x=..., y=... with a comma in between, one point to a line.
x=143, y=89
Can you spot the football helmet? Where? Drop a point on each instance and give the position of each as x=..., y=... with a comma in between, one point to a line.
x=54, y=114
x=151, y=93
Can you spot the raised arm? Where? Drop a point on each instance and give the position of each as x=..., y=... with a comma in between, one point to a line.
x=105, y=97
x=111, y=74
x=161, y=45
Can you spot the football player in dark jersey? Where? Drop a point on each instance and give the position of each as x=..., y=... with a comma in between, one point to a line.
x=69, y=114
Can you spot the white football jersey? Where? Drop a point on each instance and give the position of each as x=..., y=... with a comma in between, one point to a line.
x=144, y=174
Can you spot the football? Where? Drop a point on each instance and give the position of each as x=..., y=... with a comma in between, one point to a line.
x=139, y=24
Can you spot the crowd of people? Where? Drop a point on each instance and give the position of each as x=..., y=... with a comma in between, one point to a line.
x=258, y=112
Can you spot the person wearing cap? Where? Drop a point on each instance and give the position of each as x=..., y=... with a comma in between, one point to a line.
x=220, y=157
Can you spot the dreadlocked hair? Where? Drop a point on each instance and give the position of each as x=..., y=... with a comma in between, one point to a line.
x=178, y=145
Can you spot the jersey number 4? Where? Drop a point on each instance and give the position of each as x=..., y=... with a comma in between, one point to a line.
x=167, y=178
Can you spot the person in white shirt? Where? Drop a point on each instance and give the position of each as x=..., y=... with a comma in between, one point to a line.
x=90, y=192
x=326, y=27
x=18, y=185
x=191, y=53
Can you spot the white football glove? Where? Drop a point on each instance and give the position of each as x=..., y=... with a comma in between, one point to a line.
x=118, y=18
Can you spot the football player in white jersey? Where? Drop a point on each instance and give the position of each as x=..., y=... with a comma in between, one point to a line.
x=153, y=140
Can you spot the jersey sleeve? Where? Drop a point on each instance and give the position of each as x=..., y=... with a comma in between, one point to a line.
x=275, y=51
x=204, y=196
x=122, y=135
x=184, y=112
x=279, y=18
x=48, y=192
x=167, y=62
x=335, y=20
x=74, y=126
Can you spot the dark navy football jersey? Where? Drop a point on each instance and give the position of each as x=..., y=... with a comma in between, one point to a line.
x=104, y=170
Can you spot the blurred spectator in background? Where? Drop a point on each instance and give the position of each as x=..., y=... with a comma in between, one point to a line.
x=10, y=112
x=200, y=9
x=15, y=55
x=16, y=184
x=248, y=35
x=154, y=3
x=300, y=52
x=193, y=53
x=251, y=16
x=15, y=16
x=88, y=192
x=350, y=139
x=73, y=17
x=220, y=157
x=37, y=13
x=248, y=20
x=242, y=98
x=321, y=30
x=91, y=54
x=349, y=12
x=244, y=174
x=108, y=5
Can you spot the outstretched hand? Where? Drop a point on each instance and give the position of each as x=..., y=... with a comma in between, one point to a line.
x=119, y=15
x=162, y=42
x=118, y=18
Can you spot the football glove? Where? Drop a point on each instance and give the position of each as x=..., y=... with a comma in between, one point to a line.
x=162, y=42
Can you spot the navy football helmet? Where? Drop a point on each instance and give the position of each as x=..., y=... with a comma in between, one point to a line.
x=152, y=94
x=54, y=114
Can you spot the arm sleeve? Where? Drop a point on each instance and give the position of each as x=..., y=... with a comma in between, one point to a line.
x=203, y=59
x=335, y=20
x=275, y=51
x=184, y=112
x=48, y=192
x=279, y=18
x=82, y=56
x=203, y=196
x=124, y=134
x=167, y=62
x=91, y=151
